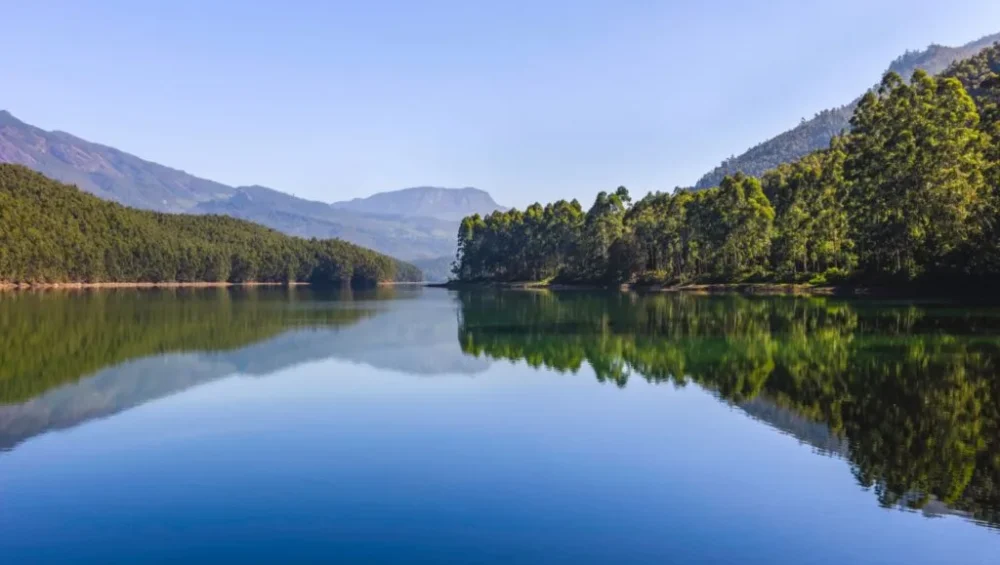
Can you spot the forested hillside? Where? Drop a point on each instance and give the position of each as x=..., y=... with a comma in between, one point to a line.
x=51, y=232
x=416, y=223
x=815, y=134
x=911, y=193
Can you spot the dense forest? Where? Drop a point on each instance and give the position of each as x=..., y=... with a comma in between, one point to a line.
x=912, y=193
x=912, y=391
x=51, y=232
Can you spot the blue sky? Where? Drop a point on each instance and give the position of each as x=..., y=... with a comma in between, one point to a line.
x=530, y=100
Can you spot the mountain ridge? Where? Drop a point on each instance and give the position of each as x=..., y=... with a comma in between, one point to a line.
x=425, y=201
x=404, y=230
x=102, y=170
x=815, y=134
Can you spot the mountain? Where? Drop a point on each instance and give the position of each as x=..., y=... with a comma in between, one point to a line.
x=418, y=223
x=435, y=269
x=812, y=135
x=103, y=171
x=408, y=238
x=427, y=201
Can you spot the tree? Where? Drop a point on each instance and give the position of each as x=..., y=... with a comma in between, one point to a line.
x=915, y=163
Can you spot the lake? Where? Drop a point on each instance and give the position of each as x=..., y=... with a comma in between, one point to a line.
x=432, y=426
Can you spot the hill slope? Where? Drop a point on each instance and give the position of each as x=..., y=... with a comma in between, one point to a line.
x=408, y=224
x=815, y=134
x=52, y=232
x=103, y=171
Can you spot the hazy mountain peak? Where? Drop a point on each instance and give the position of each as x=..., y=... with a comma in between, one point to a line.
x=425, y=201
x=6, y=118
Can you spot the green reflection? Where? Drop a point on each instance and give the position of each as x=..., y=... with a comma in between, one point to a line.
x=51, y=338
x=913, y=389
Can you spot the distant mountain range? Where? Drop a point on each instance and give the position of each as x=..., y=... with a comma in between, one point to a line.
x=410, y=224
x=812, y=135
x=415, y=224
x=451, y=204
x=435, y=269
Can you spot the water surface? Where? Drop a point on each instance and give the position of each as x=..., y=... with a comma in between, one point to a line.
x=427, y=426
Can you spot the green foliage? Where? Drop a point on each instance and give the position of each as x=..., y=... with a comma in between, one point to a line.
x=536, y=244
x=911, y=390
x=915, y=166
x=981, y=77
x=51, y=232
x=913, y=192
x=811, y=224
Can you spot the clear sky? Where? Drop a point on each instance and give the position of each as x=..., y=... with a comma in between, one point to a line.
x=528, y=99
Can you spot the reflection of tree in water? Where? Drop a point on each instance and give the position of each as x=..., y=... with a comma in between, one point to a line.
x=51, y=338
x=912, y=389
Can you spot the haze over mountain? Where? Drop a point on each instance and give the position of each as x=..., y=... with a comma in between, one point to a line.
x=103, y=171
x=416, y=223
x=427, y=201
x=402, y=237
x=816, y=133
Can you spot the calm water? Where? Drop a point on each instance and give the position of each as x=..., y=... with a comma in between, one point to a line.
x=427, y=426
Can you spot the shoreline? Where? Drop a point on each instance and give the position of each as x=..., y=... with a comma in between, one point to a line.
x=7, y=286
x=742, y=288
x=759, y=289
x=746, y=289
x=101, y=285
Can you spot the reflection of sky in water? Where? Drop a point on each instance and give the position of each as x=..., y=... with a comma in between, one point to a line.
x=339, y=459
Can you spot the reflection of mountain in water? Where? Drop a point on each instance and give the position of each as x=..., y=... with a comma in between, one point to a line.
x=108, y=392
x=412, y=336
x=818, y=436
x=806, y=431
x=401, y=334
